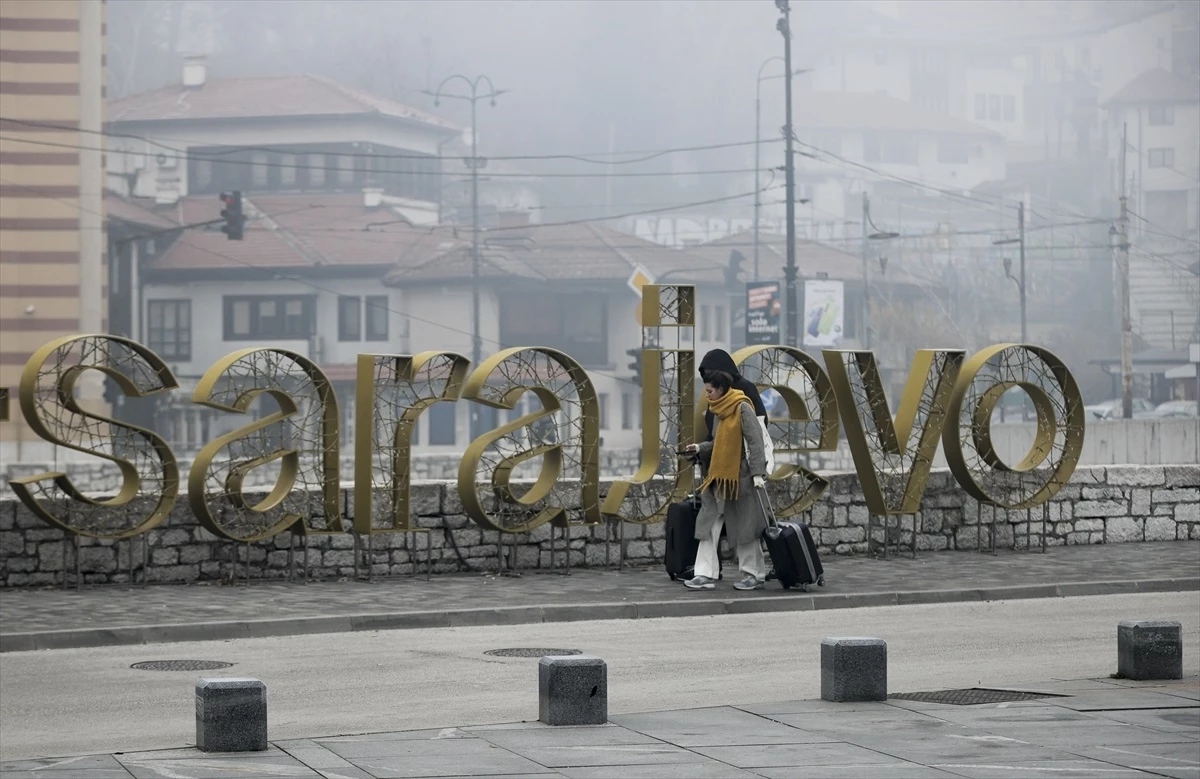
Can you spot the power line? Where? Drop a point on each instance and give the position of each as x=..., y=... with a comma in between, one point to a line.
x=645, y=155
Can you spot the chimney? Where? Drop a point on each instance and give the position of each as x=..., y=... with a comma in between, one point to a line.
x=372, y=197
x=195, y=68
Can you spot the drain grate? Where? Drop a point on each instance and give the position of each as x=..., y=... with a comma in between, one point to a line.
x=180, y=665
x=973, y=696
x=531, y=652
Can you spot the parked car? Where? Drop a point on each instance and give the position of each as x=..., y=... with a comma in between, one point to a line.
x=1111, y=409
x=1174, y=409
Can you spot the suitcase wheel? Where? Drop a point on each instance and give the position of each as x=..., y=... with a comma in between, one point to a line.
x=804, y=587
x=673, y=576
x=820, y=581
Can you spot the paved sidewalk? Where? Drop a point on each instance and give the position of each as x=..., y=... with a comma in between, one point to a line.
x=1095, y=728
x=120, y=615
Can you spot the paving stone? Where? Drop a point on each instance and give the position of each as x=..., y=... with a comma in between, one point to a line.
x=779, y=755
x=1042, y=769
x=702, y=769
x=1174, y=720
x=722, y=726
x=902, y=770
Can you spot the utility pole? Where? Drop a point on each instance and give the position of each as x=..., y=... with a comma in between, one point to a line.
x=1021, y=282
x=475, y=163
x=784, y=25
x=758, y=152
x=866, y=317
x=1123, y=268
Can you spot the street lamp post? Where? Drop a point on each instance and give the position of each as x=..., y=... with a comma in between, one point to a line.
x=475, y=163
x=784, y=25
x=1020, y=282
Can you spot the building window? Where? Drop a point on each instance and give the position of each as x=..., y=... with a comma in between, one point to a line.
x=1010, y=108
x=316, y=170
x=994, y=112
x=1162, y=114
x=441, y=424
x=981, y=107
x=247, y=317
x=1161, y=158
x=603, y=400
x=202, y=175
x=349, y=318
x=953, y=149
x=170, y=328
x=575, y=323
x=719, y=324
x=287, y=170
x=894, y=148
x=259, y=170
x=704, y=316
x=345, y=169
x=377, y=317
x=627, y=411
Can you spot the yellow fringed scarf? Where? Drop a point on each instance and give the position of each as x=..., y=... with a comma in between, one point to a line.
x=725, y=467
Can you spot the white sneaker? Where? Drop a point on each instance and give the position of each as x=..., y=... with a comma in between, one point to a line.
x=701, y=583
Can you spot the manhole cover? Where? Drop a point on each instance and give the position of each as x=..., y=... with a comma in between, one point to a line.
x=972, y=697
x=180, y=665
x=530, y=652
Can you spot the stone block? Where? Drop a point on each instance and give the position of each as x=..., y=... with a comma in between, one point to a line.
x=1102, y=493
x=164, y=556
x=1160, y=529
x=1101, y=508
x=1178, y=495
x=1089, y=524
x=1139, y=503
x=231, y=715
x=1123, y=530
x=857, y=516
x=1182, y=476
x=573, y=690
x=1149, y=649
x=822, y=515
x=195, y=553
x=1187, y=512
x=854, y=669
x=175, y=537
x=1136, y=476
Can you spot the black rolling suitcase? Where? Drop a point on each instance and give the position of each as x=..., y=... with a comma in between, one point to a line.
x=680, y=557
x=792, y=549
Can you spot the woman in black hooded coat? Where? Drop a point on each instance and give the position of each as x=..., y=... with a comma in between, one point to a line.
x=720, y=360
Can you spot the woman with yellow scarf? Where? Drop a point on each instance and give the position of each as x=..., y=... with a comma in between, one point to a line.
x=734, y=466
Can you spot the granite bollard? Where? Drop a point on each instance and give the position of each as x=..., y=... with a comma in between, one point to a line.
x=854, y=669
x=1149, y=649
x=231, y=715
x=572, y=690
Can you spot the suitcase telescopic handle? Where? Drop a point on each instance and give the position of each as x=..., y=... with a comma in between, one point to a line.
x=764, y=503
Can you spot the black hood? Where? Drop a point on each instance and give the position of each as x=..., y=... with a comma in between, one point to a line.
x=719, y=360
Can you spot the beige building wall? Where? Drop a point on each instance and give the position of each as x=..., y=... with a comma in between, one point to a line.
x=52, y=264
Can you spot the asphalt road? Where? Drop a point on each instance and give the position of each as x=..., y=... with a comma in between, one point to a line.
x=79, y=701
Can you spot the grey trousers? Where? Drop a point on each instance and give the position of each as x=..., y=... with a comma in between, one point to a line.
x=749, y=555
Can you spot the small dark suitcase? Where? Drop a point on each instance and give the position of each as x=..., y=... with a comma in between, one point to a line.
x=682, y=544
x=793, y=551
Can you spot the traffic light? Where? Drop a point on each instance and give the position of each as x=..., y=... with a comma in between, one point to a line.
x=635, y=365
x=732, y=272
x=232, y=214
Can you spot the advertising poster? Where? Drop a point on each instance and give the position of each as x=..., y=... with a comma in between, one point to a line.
x=824, y=311
x=764, y=307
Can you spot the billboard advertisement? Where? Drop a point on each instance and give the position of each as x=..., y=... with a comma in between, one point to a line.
x=764, y=306
x=824, y=312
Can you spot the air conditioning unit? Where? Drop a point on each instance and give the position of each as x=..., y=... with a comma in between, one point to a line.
x=167, y=161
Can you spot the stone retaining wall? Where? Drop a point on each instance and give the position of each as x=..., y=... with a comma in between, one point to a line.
x=1117, y=504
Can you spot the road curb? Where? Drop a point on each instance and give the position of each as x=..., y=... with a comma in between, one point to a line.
x=522, y=615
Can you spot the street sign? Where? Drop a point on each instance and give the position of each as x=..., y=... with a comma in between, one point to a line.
x=638, y=279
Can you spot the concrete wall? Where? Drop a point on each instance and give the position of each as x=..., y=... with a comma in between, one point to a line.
x=1099, y=505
